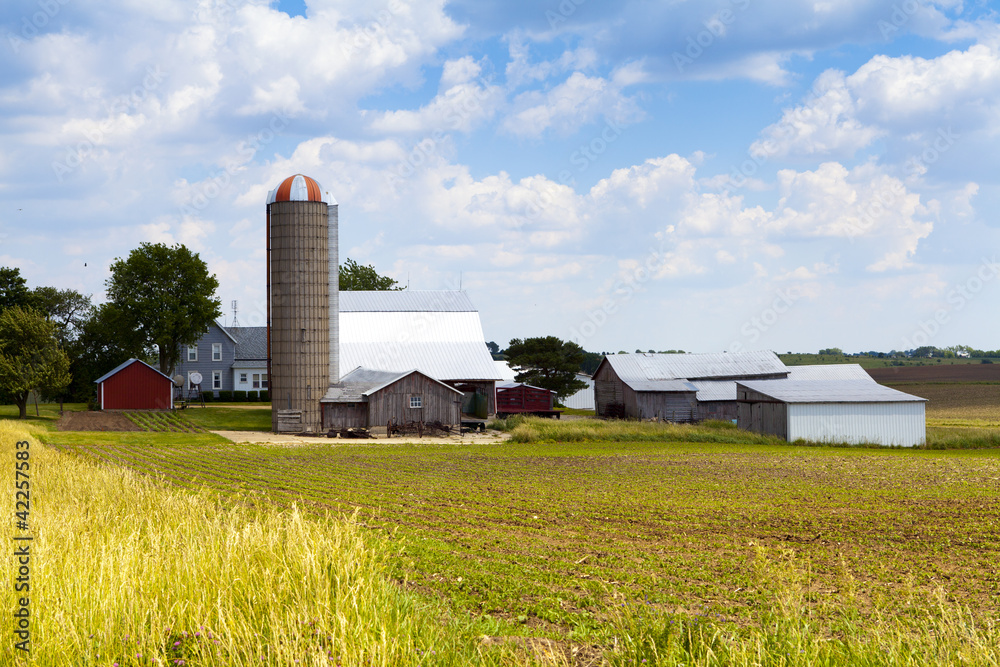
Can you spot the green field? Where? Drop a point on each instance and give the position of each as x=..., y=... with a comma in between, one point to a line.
x=802, y=359
x=552, y=539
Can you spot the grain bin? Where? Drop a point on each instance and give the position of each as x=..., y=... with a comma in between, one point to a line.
x=302, y=270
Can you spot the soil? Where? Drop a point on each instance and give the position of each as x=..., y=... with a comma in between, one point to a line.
x=943, y=373
x=283, y=439
x=95, y=421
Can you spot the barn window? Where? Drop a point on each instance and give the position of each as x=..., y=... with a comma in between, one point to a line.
x=216, y=379
x=416, y=401
x=216, y=351
x=192, y=353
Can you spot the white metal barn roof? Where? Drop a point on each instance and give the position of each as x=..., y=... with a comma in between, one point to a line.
x=436, y=332
x=506, y=372
x=363, y=382
x=829, y=372
x=829, y=391
x=695, y=366
x=715, y=390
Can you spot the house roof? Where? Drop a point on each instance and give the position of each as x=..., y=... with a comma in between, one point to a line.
x=641, y=367
x=828, y=391
x=251, y=342
x=434, y=301
x=361, y=383
x=129, y=363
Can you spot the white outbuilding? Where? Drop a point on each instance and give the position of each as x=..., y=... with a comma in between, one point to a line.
x=851, y=411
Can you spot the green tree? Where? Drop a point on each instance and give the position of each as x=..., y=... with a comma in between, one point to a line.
x=30, y=357
x=67, y=308
x=104, y=340
x=13, y=289
x=547, y=362
x=354, y=277
x=167, y=294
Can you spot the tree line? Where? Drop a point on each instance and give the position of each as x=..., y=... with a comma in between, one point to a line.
x=160, y=298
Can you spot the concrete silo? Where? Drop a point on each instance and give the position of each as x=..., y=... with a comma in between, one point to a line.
x=303, y=314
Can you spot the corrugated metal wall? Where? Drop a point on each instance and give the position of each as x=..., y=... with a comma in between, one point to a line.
x=902, y=424
x=300, y=309
x=137, y=387
x=583, y=399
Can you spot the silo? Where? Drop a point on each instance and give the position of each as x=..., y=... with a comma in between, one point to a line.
x=301, y=234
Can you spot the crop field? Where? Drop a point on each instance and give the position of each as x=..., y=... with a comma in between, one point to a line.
x=576, y=541
x=958, y=403
x=937, y=373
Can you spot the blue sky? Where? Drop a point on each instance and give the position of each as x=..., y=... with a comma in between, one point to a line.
x=714, y=175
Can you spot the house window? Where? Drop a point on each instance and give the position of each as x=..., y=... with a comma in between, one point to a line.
x=416, y=401
x=263, y=380
x=192, y=353
x=216, y=351
x=216, y=379
x=243, y=378
x=256, y=380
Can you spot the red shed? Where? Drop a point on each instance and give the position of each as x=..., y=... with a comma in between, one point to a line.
x=519, y=398
x=135, y=385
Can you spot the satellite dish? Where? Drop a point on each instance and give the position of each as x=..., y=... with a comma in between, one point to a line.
x=178, y=380
x=196, y=378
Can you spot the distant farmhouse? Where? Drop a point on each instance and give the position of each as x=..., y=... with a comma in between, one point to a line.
x=228, y=359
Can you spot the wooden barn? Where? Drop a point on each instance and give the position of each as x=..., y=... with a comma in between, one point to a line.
x=367, y=398
x=514, y=398
x=678, y=387
x=851, y=411
x=135, y=385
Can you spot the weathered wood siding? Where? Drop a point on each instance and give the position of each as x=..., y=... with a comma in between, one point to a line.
x=675, y=406
x=486, y=388
x=345, y=415
x=725, y=410
x=760, y=414
x=608, y=389
x=393, y=402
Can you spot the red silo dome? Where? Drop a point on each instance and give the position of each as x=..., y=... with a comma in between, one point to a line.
x=299, y=188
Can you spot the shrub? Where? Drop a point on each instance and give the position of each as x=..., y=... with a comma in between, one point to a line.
x=240, y=395
x=265, y=396
x=253, y=396
x=207, y=396
x=225, y=396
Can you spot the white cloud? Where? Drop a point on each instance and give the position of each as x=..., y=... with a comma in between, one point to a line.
x=577, y=101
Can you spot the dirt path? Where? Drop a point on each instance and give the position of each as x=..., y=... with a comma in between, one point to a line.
x=285, y=440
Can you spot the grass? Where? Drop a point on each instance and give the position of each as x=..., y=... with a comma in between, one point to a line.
x=126, y=569
x=676, y=552
x=230, y=418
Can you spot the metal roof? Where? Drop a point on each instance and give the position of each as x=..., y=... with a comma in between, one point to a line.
x=828, y=391
x=515, y=385
x=251, y=342
x=506, y=372
x=435, y=301
x=446, y=360
x=660, y=385
x=299, y=188
x=128, y=363
x=363, y=382
x=715, y=390
x=695, y=366
x=829, y=372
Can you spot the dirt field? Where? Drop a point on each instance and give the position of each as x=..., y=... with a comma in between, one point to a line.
x=95, y=421
x=285, y=440
x=942, y=373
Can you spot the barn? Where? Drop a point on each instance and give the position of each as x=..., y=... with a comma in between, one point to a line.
x=135, y=385
x=519, y=398
x=852, y=411
x=438, y=332
x=366, y=398
x=678, y=387
x=583, y=399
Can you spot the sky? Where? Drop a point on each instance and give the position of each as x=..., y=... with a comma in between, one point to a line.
x=713, y=175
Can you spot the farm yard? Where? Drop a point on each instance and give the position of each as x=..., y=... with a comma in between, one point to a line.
x=670, y=544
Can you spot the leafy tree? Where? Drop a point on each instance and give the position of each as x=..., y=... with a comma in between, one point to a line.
x=67, y=308
x=547, y=362
x=591, y=360
x=13, y=289
x=831, y=350
x=167, y=294
x=494, y=350
x=30, y=357
x=354, y=277
x=105, y=340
